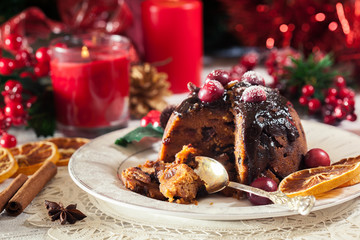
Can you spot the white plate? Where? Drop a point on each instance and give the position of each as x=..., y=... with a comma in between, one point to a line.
x=95, y=168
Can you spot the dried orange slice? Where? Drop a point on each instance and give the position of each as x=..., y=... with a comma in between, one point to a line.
x=31, y=156
x=66, y=147
x=8, y=164
x=350, y=161
x=313, y=181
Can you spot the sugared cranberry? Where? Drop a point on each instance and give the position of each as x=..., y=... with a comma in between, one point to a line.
x=263, y=183
x=303, y=100
x=237, y=71
x=316, y=157
x=340, y=112
x=250, y=60
x=351, y=117
x=254, y=94
x=211, y=91
x=7, y=140
x=42, y=55
x=314, y=105
x=219, y=75
x=253, y=78
x=13, y=42
x=308, y=90
x=340, y=81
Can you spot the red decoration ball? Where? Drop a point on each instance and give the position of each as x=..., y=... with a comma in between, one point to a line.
x=7, y=140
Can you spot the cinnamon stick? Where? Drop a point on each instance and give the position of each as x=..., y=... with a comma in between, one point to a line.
x=31, y=188
x=10, y=191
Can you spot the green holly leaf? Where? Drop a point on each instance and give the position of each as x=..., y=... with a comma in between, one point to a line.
x=140, y=133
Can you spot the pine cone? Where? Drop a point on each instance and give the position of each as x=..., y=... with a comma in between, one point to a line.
x=147, y=90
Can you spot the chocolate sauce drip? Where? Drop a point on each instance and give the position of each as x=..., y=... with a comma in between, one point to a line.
x=263, y=123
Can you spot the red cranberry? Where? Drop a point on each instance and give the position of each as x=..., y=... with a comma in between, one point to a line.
x=329, y=119
x=14, y=109
x=41, y=69
x=13, y=86
x=303, y=101
x=7, y=140
x=152, y=117
x=8, y=98
x=7, y=66
x=27, y=74
x=13, y=42
x=316, y=157
x=351, y=117
x=42, y=55
x=308, y=90
x=331, y=100
x=263, y=183
x=219, y=75
x=254, y=94
x=211, y=91
x=23, y=59
x=340, y=82
x=314, y=105
x=253, y=78
x=249, y=60
x=332, y=92
x=344, y=92
x=340, y=112
x=349, y=104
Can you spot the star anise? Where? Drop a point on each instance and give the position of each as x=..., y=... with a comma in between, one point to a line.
x=66, y=214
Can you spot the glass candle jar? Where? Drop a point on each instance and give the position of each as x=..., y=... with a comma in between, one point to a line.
x=90, y=78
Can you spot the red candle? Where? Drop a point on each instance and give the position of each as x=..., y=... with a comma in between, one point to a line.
x=90, y=77
x=173, y=37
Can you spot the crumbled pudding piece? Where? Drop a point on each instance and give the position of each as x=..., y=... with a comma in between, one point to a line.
x=179, y=183
x=175, y=182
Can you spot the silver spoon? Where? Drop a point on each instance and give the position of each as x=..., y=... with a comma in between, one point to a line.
x=216, y=179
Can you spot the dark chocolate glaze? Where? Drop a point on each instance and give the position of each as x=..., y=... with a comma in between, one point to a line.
x=263, y=124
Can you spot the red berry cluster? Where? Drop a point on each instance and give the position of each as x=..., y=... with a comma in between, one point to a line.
x=338, y=105
x=277, y=62
x=13, y=112
x=246, y=63
x=23, y=58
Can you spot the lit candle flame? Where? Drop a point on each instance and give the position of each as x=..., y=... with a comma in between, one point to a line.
x=85, y=52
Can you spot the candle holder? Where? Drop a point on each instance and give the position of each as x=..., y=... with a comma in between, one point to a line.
x=90, y=78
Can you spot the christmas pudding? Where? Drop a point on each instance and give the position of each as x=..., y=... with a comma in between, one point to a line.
x=251, y=129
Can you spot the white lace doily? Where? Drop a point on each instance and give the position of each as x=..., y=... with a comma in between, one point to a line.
x=105, y=221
